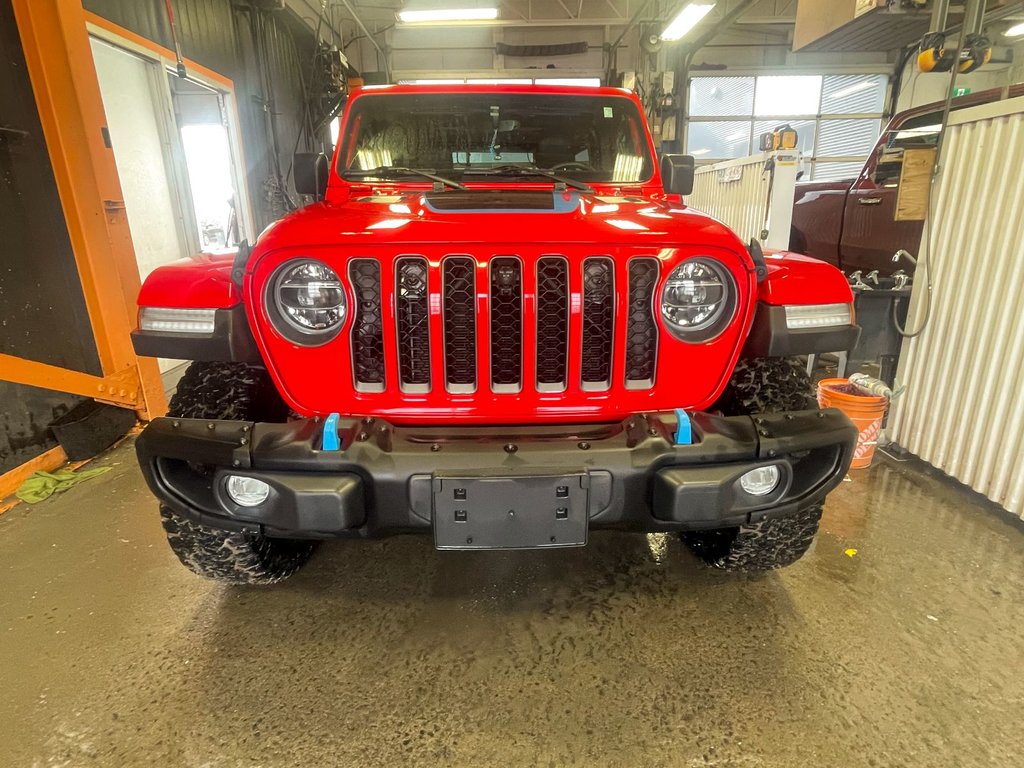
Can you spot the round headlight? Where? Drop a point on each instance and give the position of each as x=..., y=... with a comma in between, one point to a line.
x=698, y=300
x=307, y=300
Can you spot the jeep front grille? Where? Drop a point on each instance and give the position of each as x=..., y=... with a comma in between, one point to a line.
x=367, y=326
x=504, y=324
x=641, y=325
x=598, y=322
x=459, y=315
x=552, y=323
x=413, y=324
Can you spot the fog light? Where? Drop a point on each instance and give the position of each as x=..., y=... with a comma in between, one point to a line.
x=760, y=481
x=247, y=491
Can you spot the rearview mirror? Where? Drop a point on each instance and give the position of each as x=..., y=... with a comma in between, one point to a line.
x=310, y=171
x=677, y=173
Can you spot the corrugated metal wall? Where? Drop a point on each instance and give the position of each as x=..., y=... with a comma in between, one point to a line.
x=743, y=195
x=963, y=411
x=264, y=53
x=734, y=192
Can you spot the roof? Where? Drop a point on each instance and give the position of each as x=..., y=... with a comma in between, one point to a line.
x=567, y=90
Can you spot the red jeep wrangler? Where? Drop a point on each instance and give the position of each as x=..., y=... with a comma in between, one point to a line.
x=501, y=327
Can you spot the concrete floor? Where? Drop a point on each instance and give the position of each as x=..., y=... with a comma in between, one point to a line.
x=625, y=653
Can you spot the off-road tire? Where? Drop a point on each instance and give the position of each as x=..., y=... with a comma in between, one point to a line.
x=761, y=546
x=761, y=385
x=230, y=391
x=767, y=385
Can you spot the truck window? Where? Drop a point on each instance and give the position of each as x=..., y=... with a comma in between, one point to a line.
x=590, y=138
x=916, y=133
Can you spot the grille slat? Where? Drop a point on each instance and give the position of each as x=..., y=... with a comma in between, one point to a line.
x=506, y=324
x=412, y=324
x=641, y=325
x=598, y=322
x=552, y=323
x=459, y=309
x=367, y=326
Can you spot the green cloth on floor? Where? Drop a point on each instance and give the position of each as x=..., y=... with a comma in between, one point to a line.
x=42, y=485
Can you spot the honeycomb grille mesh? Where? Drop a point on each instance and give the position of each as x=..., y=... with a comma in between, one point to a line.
x=641, y=326
x=506, y=322
x=598, y=321
x=412, y=322
x=459, y=307
x=367, y=325
x=552, y=321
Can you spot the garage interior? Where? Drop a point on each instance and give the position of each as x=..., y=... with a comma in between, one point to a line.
x=137, y=133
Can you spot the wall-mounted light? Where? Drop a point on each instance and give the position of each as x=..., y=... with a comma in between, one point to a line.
x=687, y=18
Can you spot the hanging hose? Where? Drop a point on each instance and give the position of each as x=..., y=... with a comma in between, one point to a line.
x=180, y=68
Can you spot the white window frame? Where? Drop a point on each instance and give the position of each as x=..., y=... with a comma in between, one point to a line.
x=167, y=65
x=813, y=159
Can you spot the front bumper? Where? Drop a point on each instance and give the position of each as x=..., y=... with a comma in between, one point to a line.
x=387, y=479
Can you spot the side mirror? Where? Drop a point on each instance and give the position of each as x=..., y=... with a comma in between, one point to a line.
x=310, y=170
x=677, y=173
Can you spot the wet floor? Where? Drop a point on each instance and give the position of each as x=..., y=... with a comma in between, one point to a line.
x=625, y=653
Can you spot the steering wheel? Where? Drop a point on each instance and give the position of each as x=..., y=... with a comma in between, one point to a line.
x=572, y=164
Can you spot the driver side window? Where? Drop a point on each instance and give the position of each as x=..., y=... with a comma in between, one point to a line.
x=916, y=133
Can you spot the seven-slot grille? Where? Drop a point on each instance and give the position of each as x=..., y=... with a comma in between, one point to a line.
x=506, y=283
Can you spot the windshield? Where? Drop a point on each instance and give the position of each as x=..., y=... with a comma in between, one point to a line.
x=476, y=136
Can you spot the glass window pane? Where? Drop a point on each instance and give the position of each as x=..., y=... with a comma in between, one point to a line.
x=722, y=96
x=787, y=95
x=718, y=140
x=852, y=94
x=805, y=130
x=826, y=171
x=847, y=137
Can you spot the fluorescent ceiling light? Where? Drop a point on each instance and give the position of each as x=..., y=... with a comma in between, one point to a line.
x=448, y=14
x=1015, y=31
x=698, y=152
x=688, y=18
x=855, y=88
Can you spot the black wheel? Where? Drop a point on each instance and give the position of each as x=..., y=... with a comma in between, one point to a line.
x=761, y=385
x=230, y=391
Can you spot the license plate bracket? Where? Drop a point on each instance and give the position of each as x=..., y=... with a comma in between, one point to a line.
x=539, y=511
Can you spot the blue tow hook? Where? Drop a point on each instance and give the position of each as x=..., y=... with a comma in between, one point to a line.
x=684, y=431
x=332, y=442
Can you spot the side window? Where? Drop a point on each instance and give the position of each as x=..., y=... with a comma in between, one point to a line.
x=917, y=133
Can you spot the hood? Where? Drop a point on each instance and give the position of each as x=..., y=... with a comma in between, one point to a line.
x=498, y=216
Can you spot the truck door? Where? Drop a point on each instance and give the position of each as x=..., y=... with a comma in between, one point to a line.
x=871, y=232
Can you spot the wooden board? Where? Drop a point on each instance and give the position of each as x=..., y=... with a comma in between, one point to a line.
x=915, y=184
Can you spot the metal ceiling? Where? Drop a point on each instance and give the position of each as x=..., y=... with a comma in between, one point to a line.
x=334, y=16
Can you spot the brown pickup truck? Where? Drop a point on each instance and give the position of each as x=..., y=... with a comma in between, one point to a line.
x=852, y=223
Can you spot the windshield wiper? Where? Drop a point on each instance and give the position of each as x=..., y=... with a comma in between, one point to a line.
x=522, y=170
x=390, y=171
